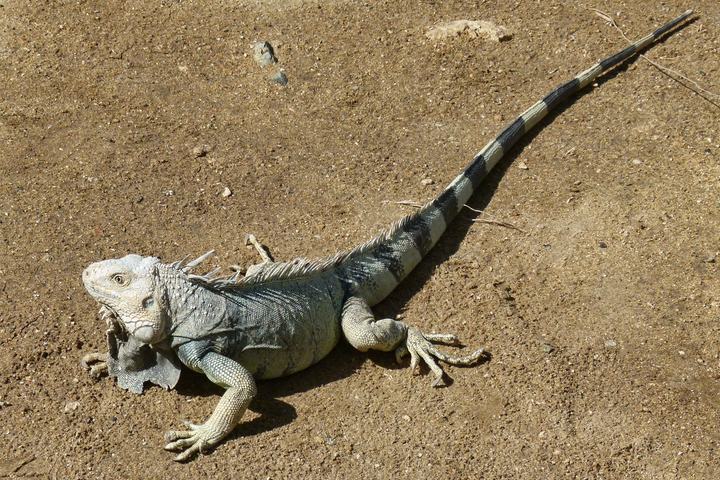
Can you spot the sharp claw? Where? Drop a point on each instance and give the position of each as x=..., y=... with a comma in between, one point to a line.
x=438, y=382
x=89, y=358
x=175, y=435
x=197, y=447
x=181, y=443
x=441, y=337
x=97, y=371
x=414, y=362
x=197, y=440
x=184, y=455
x=190, y=425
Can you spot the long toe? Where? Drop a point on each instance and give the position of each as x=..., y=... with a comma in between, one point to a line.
x=419, y=346
x=461, y=361
x=441, y=337
x=94, y=357
x=174, y=435
x=197, y=439
x=98, y=370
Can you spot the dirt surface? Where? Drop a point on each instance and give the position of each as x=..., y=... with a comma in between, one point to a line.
x=600, y=307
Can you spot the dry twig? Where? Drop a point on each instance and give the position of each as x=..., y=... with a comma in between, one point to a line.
x=409, y=203
x=663, y=69
x=490, y=221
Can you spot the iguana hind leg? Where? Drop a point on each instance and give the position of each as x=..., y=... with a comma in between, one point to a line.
x=365, y=332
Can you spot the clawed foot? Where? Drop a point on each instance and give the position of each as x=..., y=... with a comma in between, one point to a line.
x=198, y=439
x=96, y=363
x=419, y=346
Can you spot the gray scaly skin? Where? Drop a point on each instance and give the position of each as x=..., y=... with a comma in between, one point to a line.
x=283, y=317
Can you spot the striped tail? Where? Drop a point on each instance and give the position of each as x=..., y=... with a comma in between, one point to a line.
x=374, y=269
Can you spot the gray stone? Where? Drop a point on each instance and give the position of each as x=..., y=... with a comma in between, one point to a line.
x=264, y=54
x=280, y=78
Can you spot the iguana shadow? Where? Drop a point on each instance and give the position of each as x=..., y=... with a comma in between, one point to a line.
x=342, y=362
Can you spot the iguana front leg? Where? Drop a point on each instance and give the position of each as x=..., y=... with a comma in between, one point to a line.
x=240, y=389
x=364, y=332
x=96, y=362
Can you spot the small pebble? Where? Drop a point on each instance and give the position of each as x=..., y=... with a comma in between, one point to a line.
x=547, y=348
x=169, y=193
x=200, y=151
x=522, y=166
x=602, y=244
x=427, y=181
x=406, y=418
x=226, y=192
x=71, y=407
x=280, y=78
x=610, y=343
x=710, y=258
x=635, y=161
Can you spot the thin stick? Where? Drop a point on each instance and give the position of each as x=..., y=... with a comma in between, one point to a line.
x=498, y=223
x=663, y=69
x=409, y=203
x=489, y=221
x=21, y=463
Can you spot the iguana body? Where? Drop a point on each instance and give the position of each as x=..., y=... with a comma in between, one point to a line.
x=283, y=317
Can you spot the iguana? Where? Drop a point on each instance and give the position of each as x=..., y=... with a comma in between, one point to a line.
x=282, y=317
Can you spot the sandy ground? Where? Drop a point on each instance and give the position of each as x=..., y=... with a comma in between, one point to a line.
x=600, y=307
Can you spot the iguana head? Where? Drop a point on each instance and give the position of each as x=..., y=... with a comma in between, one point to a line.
x=127, y=287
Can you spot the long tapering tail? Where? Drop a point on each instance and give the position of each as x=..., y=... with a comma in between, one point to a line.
x=374, y=269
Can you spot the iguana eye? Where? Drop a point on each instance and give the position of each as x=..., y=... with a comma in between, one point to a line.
x=119, y=278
